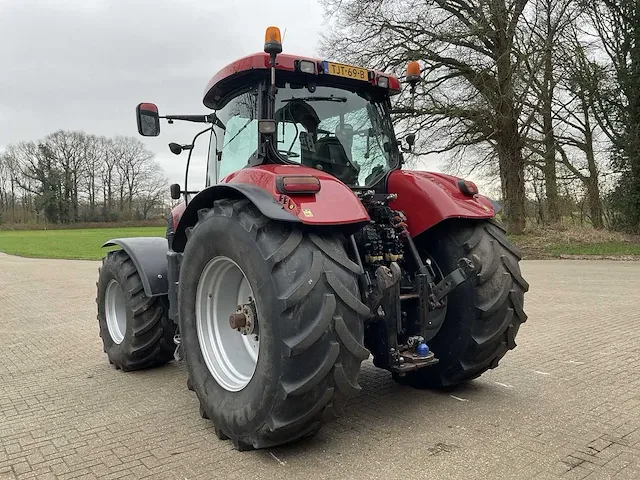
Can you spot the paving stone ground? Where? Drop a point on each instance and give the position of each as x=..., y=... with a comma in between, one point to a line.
x=565, y=404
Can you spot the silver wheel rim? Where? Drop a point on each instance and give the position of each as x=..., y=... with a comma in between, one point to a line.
x=115, y=308
x=231, y=357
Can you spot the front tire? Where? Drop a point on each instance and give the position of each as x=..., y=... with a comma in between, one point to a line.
x=484, y=314
x=136, y=330
x=309, y=324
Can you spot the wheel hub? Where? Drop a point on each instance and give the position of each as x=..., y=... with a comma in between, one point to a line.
x=115, y=311
x=243, y=320
x=227, y=324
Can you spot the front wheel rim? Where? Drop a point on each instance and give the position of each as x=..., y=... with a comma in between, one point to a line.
x=115, y=308
x=230, y=356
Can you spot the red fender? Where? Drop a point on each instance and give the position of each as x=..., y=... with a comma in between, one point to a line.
x=334, y=204
x=427, y=198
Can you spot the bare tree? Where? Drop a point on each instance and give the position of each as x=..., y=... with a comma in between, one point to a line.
x=579, y=133
x=549, y=23
x=471, y=93
x=616, y=23
x=152, y=193
x=93, y=151
x=6, y=193
x=134, y=163
x=108, y=174
x=68, y=154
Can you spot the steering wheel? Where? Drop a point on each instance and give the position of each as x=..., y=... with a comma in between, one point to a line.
x=289, y=153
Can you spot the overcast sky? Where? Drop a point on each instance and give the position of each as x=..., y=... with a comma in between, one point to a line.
x=86, y=64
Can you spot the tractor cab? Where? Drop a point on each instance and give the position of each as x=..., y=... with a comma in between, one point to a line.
x=323, y=115
x=274, y=108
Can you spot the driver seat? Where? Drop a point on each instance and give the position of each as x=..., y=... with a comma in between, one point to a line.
x=332, y=158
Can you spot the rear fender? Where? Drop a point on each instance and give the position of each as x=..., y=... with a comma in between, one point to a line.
x=149, y=255
x=205, y=199
x=428, y=198
x=334, y=205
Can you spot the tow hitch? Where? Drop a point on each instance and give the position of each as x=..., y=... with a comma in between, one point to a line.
x=416, y=354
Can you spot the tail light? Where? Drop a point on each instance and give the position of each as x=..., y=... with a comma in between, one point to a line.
x=467, y=187
x=299, y=184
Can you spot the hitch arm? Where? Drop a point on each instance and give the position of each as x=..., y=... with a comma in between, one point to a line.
x=464, y=272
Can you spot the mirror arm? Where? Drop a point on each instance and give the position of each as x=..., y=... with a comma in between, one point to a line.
x=188, y=118
x=211, y=118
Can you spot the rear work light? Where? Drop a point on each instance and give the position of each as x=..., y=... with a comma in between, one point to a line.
x=298, y=184
x=306, y=66
x=467, y=187
x=267, y=126
x=383, y=82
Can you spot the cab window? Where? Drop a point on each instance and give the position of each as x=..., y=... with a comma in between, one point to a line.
x=235, y=144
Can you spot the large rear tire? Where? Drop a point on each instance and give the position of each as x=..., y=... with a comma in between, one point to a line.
x=483, y=315
x=136, y=330
x=309, y=331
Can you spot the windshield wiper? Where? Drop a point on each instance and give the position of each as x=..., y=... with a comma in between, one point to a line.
x=239, y=132
x=317, y=99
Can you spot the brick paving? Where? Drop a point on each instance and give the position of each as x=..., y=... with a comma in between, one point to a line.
x=564, y=405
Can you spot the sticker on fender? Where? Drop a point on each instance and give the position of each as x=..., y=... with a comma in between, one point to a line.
x=307, y=213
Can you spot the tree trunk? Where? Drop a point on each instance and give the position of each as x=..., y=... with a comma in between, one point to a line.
x=509, y=141
x=595, y=205
x=550, y=180
x=511, y=161
x=92, y=194
x=512, y=174
x=13, y=200
x=76, y=207
x=591, y=183
x=633, y=137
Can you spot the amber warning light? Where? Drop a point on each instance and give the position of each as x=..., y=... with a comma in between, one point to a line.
x=273, y=41
x=413, y=72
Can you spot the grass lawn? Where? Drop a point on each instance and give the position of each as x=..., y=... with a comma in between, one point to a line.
x=85, y=244
x=606, y=248
x=82, y=244
x=553, y=243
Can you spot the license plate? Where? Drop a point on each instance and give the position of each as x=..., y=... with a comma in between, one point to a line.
x=347, y=71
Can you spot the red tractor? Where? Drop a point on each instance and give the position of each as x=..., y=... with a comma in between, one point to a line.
x=309, y=250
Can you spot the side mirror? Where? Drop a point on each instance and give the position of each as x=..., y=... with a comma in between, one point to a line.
x=175, y=148
x=175, y=191
x=148, y=120
x=411, y=140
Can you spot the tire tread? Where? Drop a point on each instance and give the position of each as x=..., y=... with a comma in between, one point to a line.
x=150, y=338
x=498, y=306
x=312, y=391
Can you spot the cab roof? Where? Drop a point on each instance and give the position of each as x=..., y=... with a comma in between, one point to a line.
x=223, y=82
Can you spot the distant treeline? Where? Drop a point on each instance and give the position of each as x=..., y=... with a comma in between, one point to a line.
x=69, y=177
